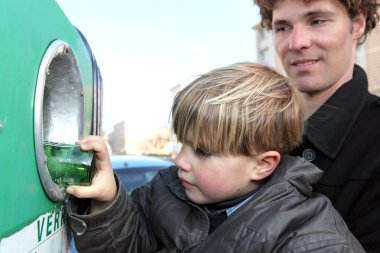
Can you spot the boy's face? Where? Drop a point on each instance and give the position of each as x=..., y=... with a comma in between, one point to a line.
x=316, y=42
x=209, y=178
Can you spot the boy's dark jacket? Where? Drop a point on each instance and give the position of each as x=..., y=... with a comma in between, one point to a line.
x=283, y=216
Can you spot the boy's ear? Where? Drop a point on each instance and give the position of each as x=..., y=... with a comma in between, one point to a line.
x=266, y=163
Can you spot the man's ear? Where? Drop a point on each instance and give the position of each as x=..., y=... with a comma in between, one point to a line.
x=266, y=163
x=359, y=24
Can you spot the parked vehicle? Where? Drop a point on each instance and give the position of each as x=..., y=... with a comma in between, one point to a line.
x=135, y=171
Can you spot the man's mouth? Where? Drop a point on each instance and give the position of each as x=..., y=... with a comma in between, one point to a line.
x=301, y=63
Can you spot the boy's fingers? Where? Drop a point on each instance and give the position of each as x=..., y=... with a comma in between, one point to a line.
x=95, y=144
x=82, y=191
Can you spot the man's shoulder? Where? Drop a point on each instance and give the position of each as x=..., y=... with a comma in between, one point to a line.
x=371, y=109
x=373, y=100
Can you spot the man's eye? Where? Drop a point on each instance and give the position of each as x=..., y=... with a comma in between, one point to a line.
x=280, y=29
x=318, y=21
x=202, y=153
x=283, y=28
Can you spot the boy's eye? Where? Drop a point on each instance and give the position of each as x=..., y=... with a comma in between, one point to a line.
x=202, y=152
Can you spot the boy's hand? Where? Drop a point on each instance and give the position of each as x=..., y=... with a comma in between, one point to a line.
x=103, y=189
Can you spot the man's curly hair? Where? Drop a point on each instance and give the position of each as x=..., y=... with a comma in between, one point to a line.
x=353, y=8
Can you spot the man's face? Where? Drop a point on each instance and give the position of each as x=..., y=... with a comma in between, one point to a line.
x=316, y=42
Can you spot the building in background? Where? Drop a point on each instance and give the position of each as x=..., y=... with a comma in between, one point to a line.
x=157, y=144
x=117, y=139
x=372, y=48
x=176, y=146
x=367, y=57
x=161, y=142
x=265, y=50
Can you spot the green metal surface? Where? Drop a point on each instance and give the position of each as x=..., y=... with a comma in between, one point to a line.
x=27, y=28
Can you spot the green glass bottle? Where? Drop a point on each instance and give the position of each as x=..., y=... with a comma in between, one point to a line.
x=67, y=164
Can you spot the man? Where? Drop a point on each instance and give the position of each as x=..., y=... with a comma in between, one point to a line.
x=316, y=41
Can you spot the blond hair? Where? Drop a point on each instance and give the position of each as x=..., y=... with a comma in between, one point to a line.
x=241, y=109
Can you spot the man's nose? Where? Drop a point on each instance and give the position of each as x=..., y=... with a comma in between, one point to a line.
x=299, y=38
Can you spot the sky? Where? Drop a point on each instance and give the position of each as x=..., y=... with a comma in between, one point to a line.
x=145, y=47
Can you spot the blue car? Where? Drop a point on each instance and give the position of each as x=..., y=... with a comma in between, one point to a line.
x=135, y=171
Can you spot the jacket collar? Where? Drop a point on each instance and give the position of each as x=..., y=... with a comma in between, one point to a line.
x=329, y=126
x=171, y=179
x=297, y=171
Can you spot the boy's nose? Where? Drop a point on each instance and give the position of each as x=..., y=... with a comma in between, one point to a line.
x=181, y=162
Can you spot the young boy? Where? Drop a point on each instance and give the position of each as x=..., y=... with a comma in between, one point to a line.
x=233, y=188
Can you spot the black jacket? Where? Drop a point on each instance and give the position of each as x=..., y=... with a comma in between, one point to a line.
x=283, y=216
x=343, y=139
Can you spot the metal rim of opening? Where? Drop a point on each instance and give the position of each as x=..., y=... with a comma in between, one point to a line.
x=58, y=53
